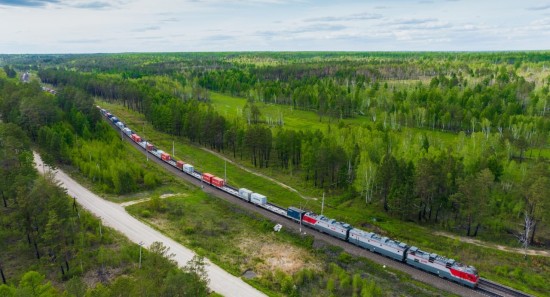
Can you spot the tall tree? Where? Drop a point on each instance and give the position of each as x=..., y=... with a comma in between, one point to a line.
x=472, y=199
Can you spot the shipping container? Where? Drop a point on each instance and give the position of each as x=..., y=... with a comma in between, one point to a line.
x=188, y=168
x=218, y=182
x=114, y=119
x=207, y=177
x=109, y=115
x=127, y=131
x=165, y=156
x=258, y=199
x=295, y=213
x=245, y=194
x=136, y=138
x=150, y=146
x=120, y=125
x=180, y=164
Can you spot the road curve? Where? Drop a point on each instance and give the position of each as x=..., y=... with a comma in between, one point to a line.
x=114, y=216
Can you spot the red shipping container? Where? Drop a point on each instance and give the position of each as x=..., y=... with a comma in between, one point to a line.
x=180, y=164
x=150, y=146
x=165, y=156
x=207, y=177
x=136, y=138
x=218, y=182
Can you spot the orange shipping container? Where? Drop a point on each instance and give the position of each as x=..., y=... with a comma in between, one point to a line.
x=207, y=177
x=218, y=182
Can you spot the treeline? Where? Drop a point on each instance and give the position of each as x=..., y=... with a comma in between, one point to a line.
x=454, y=100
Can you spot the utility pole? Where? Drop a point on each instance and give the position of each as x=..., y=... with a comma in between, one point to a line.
x=173, y=148
x=140, y=245
x=301, y=219
x=323, y=204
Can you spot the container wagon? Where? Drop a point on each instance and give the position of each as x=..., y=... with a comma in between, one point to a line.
x=165, y=157
x=218, y=182
x=258, y=199
x=127, y=131
x=207, y=177
x=295, y=213
x=245, y=194
x=188, y=168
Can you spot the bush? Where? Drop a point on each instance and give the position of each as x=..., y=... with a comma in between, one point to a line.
x=150, y=180
x=145, y=213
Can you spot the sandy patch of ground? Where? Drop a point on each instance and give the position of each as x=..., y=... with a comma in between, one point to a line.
x=163, y=196
x=477, y=242
x=102, y=275
x=274, y=256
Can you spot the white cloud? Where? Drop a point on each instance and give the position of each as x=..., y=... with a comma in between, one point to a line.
x=37, y=26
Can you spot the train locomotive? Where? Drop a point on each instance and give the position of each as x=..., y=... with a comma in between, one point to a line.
x=399, y=251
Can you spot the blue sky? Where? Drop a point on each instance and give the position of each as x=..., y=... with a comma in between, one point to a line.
x=89, y=26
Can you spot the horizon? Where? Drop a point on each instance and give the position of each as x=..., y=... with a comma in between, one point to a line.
x=165, y=26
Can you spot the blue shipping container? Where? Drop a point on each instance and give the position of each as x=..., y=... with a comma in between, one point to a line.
x=295, y=213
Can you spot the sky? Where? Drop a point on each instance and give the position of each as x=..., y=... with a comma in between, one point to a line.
x=107, y=26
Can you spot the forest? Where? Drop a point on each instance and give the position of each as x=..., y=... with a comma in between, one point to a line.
x=50, y=246
x=450, y=141
x=430, y=128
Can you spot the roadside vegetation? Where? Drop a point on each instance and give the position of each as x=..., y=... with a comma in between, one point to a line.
x=51, y=247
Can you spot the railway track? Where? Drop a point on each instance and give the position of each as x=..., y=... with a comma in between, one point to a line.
x=493, y=289
x=485, y=288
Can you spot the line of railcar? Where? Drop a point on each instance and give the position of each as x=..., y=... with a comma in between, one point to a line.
x=399, y=251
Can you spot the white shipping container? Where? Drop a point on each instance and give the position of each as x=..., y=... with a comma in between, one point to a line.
x=127, y=131
x=245, y=194
x=188, y=168
x=258, y=199
x=120, y=124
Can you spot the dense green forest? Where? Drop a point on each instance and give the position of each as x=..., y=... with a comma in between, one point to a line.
x=50, y=246
x=492, y=108
x=451, y=141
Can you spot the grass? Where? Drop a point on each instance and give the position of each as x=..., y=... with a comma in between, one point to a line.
x=239, y=241
x=493, y=264
x=203, y=160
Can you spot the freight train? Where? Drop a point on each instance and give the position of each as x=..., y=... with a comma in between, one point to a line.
x=399, y=251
